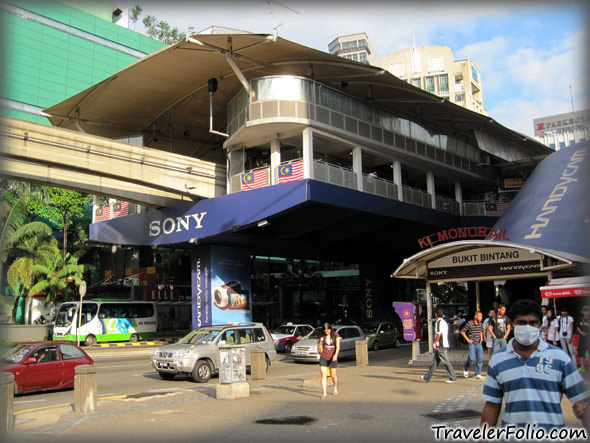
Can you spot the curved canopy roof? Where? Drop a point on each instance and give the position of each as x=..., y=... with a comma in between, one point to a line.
x=164, y=95
x=549, y=220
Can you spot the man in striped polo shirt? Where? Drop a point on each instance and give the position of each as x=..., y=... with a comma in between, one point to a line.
x=531, y=377
x=472, y=332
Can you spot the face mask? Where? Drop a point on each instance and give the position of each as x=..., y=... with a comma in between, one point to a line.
x=526, y=335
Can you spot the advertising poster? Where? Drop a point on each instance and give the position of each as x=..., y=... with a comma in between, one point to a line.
x=231, y=290
x=407, y=314
x=201, y=293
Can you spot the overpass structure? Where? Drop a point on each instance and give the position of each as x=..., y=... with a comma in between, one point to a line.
x=88, y=163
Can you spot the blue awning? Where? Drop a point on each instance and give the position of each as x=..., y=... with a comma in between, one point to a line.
x=307, y=218
x=552, y=211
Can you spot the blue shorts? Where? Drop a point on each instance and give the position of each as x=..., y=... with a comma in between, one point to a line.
x=328, y=363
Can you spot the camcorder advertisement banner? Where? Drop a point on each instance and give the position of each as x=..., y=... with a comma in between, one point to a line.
x=200, y=281
x=221, y=287
x=231, y=287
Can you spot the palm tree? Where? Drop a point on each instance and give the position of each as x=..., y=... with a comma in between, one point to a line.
x=27, y=245
x=59, y=275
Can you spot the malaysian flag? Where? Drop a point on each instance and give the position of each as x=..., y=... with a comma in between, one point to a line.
x=496, y=209
x=291, y=172
x=103, y=213
x=120, y=208
x=254, y=179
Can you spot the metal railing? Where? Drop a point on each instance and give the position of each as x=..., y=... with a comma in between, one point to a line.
x=336, y=175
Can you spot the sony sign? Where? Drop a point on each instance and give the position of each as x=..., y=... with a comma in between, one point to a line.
x=177, y=224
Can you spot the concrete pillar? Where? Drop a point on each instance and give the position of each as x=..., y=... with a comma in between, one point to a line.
x=429, y=314
x=6, y=401
x=357, y=166
x=397, y=179
x=257, y=364
x=307, y=153
x=95, y=205
x=85, y=389
x=477, y=297
x=275, y=160
x=459, y=196
x=430, y=188
x=362, y=353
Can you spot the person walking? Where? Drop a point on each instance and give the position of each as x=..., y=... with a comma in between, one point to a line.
x=550, y=325
x=564, y=332
x=488, y=334
x=440, y=345
x=583, y=329
x=500, y=328
x=531, y=376
x=472, y=332
x=329, y=347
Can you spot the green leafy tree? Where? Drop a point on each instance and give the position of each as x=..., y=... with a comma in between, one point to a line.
x=59, y=276
x=65, y=209
x=29, y=245
x=161, y=30
x=135, y=13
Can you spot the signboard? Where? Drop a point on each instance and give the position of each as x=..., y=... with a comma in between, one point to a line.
x=511, y=183
x=221, y=285
x=410, y=317
x=567, y=287
x=478, y=262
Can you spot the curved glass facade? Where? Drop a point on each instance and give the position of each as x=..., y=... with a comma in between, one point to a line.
x=299, y=89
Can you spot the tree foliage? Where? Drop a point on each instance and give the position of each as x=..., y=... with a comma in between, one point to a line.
x=59, y=275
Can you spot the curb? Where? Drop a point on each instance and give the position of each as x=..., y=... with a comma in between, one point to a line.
x=157, y=342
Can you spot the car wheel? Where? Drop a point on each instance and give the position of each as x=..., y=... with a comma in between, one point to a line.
x=396, y=343
x=166, y=375
x=375, y=346
x=288, y=347
x=202, y=372
x=90, y=340
x=134, y=338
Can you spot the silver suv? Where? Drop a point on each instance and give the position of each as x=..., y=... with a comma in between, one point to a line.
x=307, y=349
x=197, y=353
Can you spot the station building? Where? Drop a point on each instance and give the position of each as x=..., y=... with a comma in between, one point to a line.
x=335, y=171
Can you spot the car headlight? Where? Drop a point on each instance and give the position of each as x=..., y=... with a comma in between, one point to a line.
x=182, y=353
x=313, y=349
x=276, y=342
x=155, y=354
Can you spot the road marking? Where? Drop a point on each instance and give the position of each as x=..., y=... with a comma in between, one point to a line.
x=29, y=401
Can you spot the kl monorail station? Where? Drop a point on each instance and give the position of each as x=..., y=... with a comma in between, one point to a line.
x=327, y=174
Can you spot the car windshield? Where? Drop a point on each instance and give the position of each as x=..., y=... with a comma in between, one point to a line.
x=65, y=315
x=14, y=353
x=200, y=337
x=317, y=333
x=369, y=328
x=289, y=330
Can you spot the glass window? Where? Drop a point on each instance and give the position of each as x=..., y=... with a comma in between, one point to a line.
x=352, y=332
x=429, y=84
x=245, y=336
x=417, y=82
x=69, y=351
x=259, y=335
x=230, y=336
x=459, y=98
x=443, y=84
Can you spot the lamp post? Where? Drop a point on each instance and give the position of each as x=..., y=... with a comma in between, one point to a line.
x=82, y=291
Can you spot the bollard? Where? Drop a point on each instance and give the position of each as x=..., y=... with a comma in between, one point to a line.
x=415, y=349
x=362, y=353
x=6, y=401
x=85, y=389
x=258, y=364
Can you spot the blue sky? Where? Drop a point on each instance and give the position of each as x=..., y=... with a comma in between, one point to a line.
x=528, y=52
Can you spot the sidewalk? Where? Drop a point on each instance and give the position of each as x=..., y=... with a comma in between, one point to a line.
x=375, y=403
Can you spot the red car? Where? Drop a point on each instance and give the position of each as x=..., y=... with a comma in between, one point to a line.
x=42, y=366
